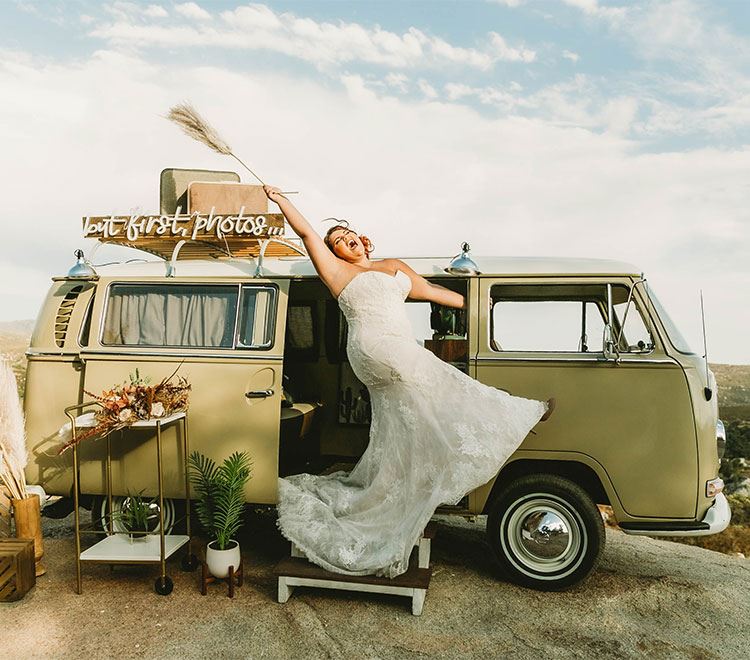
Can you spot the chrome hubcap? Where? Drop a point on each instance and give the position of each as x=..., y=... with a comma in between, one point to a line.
x=543, y=536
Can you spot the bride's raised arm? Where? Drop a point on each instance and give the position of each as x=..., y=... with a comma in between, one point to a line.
x=421, y=289
x=326, y=263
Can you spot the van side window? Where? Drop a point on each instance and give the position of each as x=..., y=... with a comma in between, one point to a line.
x=563, y=318
x=257, y=317
x=175, y=315
x=190, y=316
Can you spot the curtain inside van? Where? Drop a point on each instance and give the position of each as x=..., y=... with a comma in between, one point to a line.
x=175, y=315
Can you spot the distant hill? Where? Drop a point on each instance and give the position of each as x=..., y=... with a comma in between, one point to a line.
x=734, y=390
x=21, y=328
x=14, y=340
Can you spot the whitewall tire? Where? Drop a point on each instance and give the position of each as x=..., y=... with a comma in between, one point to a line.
x=545, y=531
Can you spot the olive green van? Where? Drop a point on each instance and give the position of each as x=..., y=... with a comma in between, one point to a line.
x=636, y=425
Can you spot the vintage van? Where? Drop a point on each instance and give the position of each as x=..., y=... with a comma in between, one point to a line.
x=636, y=425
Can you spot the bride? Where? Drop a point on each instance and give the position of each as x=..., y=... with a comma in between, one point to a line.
x=435, y=435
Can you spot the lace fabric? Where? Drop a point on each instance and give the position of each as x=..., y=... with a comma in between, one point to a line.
x=435, y=435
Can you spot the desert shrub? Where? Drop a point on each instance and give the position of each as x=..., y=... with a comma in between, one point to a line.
x=734, y=539
x=738, y=439
x=734, y=472
x=740, y=505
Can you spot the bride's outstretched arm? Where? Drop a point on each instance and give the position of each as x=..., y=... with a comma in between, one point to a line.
x=325, y=262
x=421, y=289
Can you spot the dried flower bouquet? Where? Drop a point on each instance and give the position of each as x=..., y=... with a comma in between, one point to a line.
x=134, y=401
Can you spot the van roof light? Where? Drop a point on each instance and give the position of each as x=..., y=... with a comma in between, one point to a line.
x=463, y=264
x=82, y=269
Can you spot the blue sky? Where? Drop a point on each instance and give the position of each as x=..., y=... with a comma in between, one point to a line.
x=559, y=127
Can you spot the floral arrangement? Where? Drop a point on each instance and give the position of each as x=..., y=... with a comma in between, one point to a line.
x=133, y=401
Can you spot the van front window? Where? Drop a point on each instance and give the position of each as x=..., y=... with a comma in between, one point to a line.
x=565, y=318
x=675, y=336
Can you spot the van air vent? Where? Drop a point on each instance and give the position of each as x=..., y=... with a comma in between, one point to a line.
x=63, y=314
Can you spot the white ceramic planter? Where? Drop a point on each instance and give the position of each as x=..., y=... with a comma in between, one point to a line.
x=219, y=561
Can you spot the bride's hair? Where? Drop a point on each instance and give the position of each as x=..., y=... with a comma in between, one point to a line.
x=344, y=224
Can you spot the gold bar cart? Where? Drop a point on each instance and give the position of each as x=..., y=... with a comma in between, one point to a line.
x=115, y=548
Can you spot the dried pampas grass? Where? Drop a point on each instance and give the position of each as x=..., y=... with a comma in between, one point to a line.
x=193, y=125
x=13, y=454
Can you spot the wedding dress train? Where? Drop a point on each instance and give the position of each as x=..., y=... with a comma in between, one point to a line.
x=435, y=435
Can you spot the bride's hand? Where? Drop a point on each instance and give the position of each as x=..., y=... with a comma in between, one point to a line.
x=272, y=192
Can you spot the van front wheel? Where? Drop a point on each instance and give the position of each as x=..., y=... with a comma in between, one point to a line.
x=545, y=531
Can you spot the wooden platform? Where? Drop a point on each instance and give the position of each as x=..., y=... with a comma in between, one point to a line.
x=297, y=571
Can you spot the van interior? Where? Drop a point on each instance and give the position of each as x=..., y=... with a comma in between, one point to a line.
x=325, y=412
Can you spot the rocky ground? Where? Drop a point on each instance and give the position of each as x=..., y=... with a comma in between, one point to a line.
x=648, y=598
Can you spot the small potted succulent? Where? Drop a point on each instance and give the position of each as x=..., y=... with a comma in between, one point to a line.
x=135, y=515
x=220, y=492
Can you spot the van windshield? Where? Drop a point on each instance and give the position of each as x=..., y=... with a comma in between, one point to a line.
x=675, y=336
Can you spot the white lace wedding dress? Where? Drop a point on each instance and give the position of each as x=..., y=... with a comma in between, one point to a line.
x=435, y=435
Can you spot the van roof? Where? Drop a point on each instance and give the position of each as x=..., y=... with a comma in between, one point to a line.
x=427, y=266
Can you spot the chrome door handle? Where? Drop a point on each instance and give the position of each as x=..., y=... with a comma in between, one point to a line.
x=258, y=394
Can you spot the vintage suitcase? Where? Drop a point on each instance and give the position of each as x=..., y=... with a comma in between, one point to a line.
x=175, y=182
x=226, y=198
x=17, y=575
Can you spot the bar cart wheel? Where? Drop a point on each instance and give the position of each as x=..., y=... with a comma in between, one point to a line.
x=189, y=563
x=163, y=585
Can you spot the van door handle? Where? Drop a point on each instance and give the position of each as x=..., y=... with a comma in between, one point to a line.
x=258, y=394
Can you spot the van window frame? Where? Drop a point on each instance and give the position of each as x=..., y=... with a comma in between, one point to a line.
x=87, y=319
x=573, y=355
x=236, y=344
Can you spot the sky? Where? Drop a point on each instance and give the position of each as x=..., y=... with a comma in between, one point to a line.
x=578, y=128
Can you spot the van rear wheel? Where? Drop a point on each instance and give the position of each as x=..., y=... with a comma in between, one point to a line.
x=545, y=531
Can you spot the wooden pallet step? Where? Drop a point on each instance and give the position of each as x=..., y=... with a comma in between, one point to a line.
x=297, y=572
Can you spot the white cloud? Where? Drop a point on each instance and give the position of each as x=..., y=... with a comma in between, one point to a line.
x=428, y=90
x=570, y=55
x=508, y=3
x=155, y=11
x=417, y=176
x=508, y=54
x=192, y=10
x=326, y=44
x=593, y=8
x=705, y=89
x=398, y=81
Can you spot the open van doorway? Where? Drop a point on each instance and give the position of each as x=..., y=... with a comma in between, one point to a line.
x=325, y=414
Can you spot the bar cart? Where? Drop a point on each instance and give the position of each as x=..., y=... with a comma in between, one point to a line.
x=116, y=548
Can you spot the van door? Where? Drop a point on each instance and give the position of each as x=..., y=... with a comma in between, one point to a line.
x=634, y=418
x=227, y=340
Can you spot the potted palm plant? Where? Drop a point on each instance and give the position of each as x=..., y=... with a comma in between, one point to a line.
x=220, y=492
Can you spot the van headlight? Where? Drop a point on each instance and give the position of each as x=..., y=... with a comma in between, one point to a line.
x=721, y=439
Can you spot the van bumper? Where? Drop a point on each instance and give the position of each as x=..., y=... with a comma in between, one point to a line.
x=716, y=520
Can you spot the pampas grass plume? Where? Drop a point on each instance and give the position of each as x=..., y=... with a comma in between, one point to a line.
x=12, y=433
x=193, y=125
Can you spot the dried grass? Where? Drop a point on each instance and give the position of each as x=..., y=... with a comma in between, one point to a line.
x=196, y=127
x=13, y=454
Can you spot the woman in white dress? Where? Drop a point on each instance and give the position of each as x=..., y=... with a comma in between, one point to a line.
x=435, y=433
